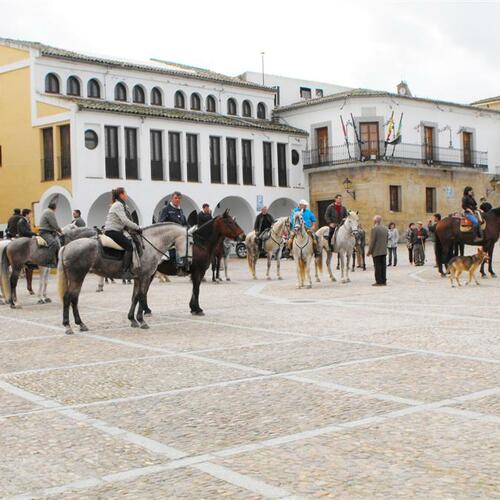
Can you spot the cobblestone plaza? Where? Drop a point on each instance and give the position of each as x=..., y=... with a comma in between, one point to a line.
x=342, y=391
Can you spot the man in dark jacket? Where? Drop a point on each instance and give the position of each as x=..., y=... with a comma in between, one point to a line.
x=469, y=206
x=263, y=221
x=334, y=216
x=172, y=211
x=24, y=225
x=12, y=223
x=77, y=219
x=204, y=215
x=378, y=250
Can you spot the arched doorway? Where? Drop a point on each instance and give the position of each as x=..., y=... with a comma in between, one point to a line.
x=239, y=208
x=188, y=205
x=281, y=207
x=99, y=210
x=64, y=212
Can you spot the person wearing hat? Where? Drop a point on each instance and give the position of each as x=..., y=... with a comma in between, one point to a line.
x=419, y=236
x=310, y=223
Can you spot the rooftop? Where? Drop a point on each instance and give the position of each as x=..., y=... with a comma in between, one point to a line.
x=486, y=100
x=181, y=114
x=153, y=65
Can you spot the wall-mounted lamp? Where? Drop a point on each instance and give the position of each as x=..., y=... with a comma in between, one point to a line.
x=493, y=183
x=348, y=187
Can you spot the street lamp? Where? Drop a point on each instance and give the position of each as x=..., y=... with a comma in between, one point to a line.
x=348, y=187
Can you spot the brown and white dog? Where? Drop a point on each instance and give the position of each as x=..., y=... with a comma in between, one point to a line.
x=458, y=265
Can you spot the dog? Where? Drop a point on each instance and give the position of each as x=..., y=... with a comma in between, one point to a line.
x=458, y=265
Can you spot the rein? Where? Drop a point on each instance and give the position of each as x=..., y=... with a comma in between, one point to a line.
x=163, y=253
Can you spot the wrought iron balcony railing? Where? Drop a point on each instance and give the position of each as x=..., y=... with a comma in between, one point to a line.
x=399, y=153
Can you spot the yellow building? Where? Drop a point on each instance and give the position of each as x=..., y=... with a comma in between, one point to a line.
x=489, y=102
x=22, y=116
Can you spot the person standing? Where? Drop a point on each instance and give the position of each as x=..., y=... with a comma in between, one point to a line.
x=431, y=228
x=204, y=215
x=263, y=221
x=378, y=250
x=419, y=237
x=392, y=244
x=172, y=211
x=409, y=241
x=24, y=231
x=12, y=223
x=77, y=219
x=334, y=216
x=50, y=231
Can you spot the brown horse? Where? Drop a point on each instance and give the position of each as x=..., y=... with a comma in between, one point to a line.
x=206, y=240
x=448, y=233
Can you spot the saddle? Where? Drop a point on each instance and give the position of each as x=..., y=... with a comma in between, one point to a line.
x=41, y=242
x=265, y=235
x=107, y=242
x=466, y=225
x=109, y=248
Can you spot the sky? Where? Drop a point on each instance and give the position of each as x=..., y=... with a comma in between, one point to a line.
x=444, y=49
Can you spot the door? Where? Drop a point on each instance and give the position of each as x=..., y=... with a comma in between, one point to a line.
x=467, y=146
x=369, y=139
x=429, y=144
x=322, y=143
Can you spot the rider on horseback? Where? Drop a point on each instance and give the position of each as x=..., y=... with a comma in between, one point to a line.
x=119, y=219
x=469, y=206
x=50, y=231
x=310, y=224
x=334, y=217
x=263, y=222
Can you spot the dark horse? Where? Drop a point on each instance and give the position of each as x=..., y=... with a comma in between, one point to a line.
x=206, y=238
x=448, y=233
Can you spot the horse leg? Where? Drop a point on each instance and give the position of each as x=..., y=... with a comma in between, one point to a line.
x=269, y=256
x=147, y=310
x=14, y=278
x=278, y=262
x=194, y=303
x=316, y=274
x=142, y=299
x=44, y=280
x=307, y=263
x=491, y=247
x=133, y=304
x=225, y=259
x=100, y=285
x=329, y=256
x=75, y=294
x=348, y=264
x=29, y=280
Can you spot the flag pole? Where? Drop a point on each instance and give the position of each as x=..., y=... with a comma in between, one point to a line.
x=345, y=136
x=397, y=139
x=357, y=136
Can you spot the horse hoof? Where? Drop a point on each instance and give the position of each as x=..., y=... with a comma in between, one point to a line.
x=347, y=280
x=68, y=331
x=144, y=326
x=255, y=277
x=31, y=292
x=493, y=275
x=99, y=290
x=41, y=301
x=268, y=278
x=148, y=314
x=280, y=278
x=83, y=327
x=15, y=306
x=47, y=300
x=309, y=286
x=198, y=313
x=318, y=280
x=228, y=279
x=134, y=324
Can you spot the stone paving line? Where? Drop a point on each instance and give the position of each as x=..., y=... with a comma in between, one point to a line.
x=202, y=462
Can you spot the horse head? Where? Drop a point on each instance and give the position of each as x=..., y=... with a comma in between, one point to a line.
x=281, y=226
x=227, y=226
x=298, y=222
x=352, y=222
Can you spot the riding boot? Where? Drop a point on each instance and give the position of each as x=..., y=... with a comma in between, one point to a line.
x=126, y=262
x=479, y=235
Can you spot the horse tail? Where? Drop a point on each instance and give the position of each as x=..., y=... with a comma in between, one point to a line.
x=4, y=274
x=62, y=278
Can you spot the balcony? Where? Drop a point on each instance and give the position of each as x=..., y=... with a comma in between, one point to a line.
x=402, y=153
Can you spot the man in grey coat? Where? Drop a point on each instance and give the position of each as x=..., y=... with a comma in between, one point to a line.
x=378, y=250
x=49, y=230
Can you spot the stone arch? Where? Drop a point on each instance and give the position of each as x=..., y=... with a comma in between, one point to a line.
x=239, y=208
x=281, y=207
x=188, y=206
x=62, y=198
x=99, y=209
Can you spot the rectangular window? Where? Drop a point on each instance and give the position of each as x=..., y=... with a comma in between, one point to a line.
x=156, y=144
x=0, y=156
x=282, y=173
x=319, y=92
x=65, y=153
x=322, y=143
x=430, y=200
x=131, y=156
x=48, y=154
x=215, y=160
x=111, y=146
x=467, y=145
x=305, y=93
x=174, y=156
x=232, y=161
x=395, y=198
x=369, y=139
x=276, y=96
x=268, y=163
x=246, y=147
x=429, y=144
x=192, y=157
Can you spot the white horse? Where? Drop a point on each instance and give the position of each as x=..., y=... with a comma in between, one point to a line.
x=322, y=235
x=345, y=241
x=274, y=244
x=302, y=251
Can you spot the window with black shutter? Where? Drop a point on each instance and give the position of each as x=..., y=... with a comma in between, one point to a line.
x=174, y=156
x=138, y=95
x=231, y=106
x=93, y=89
x=120, y=92
x=48, y=154
x=52, y=84
x=430, y=200
x=231, y=161
x=268, y=163
x=111, y=146
x=282, y=170
x=195, y=102
x=156, y=140
x=395, y=198
x=261, y=111
x=192, y=157
x=156, y=97
x=65, y=158
x=131, y=157
x=215, y=163
x=73, y=86
x=211, y=104
x=246, y=147
x=247, y=109
x=179, y=101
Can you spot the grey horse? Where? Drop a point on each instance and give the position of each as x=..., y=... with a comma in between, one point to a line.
x=20, y=251
x=80, y=257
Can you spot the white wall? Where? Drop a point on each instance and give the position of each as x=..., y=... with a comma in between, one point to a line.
x=485, y=126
